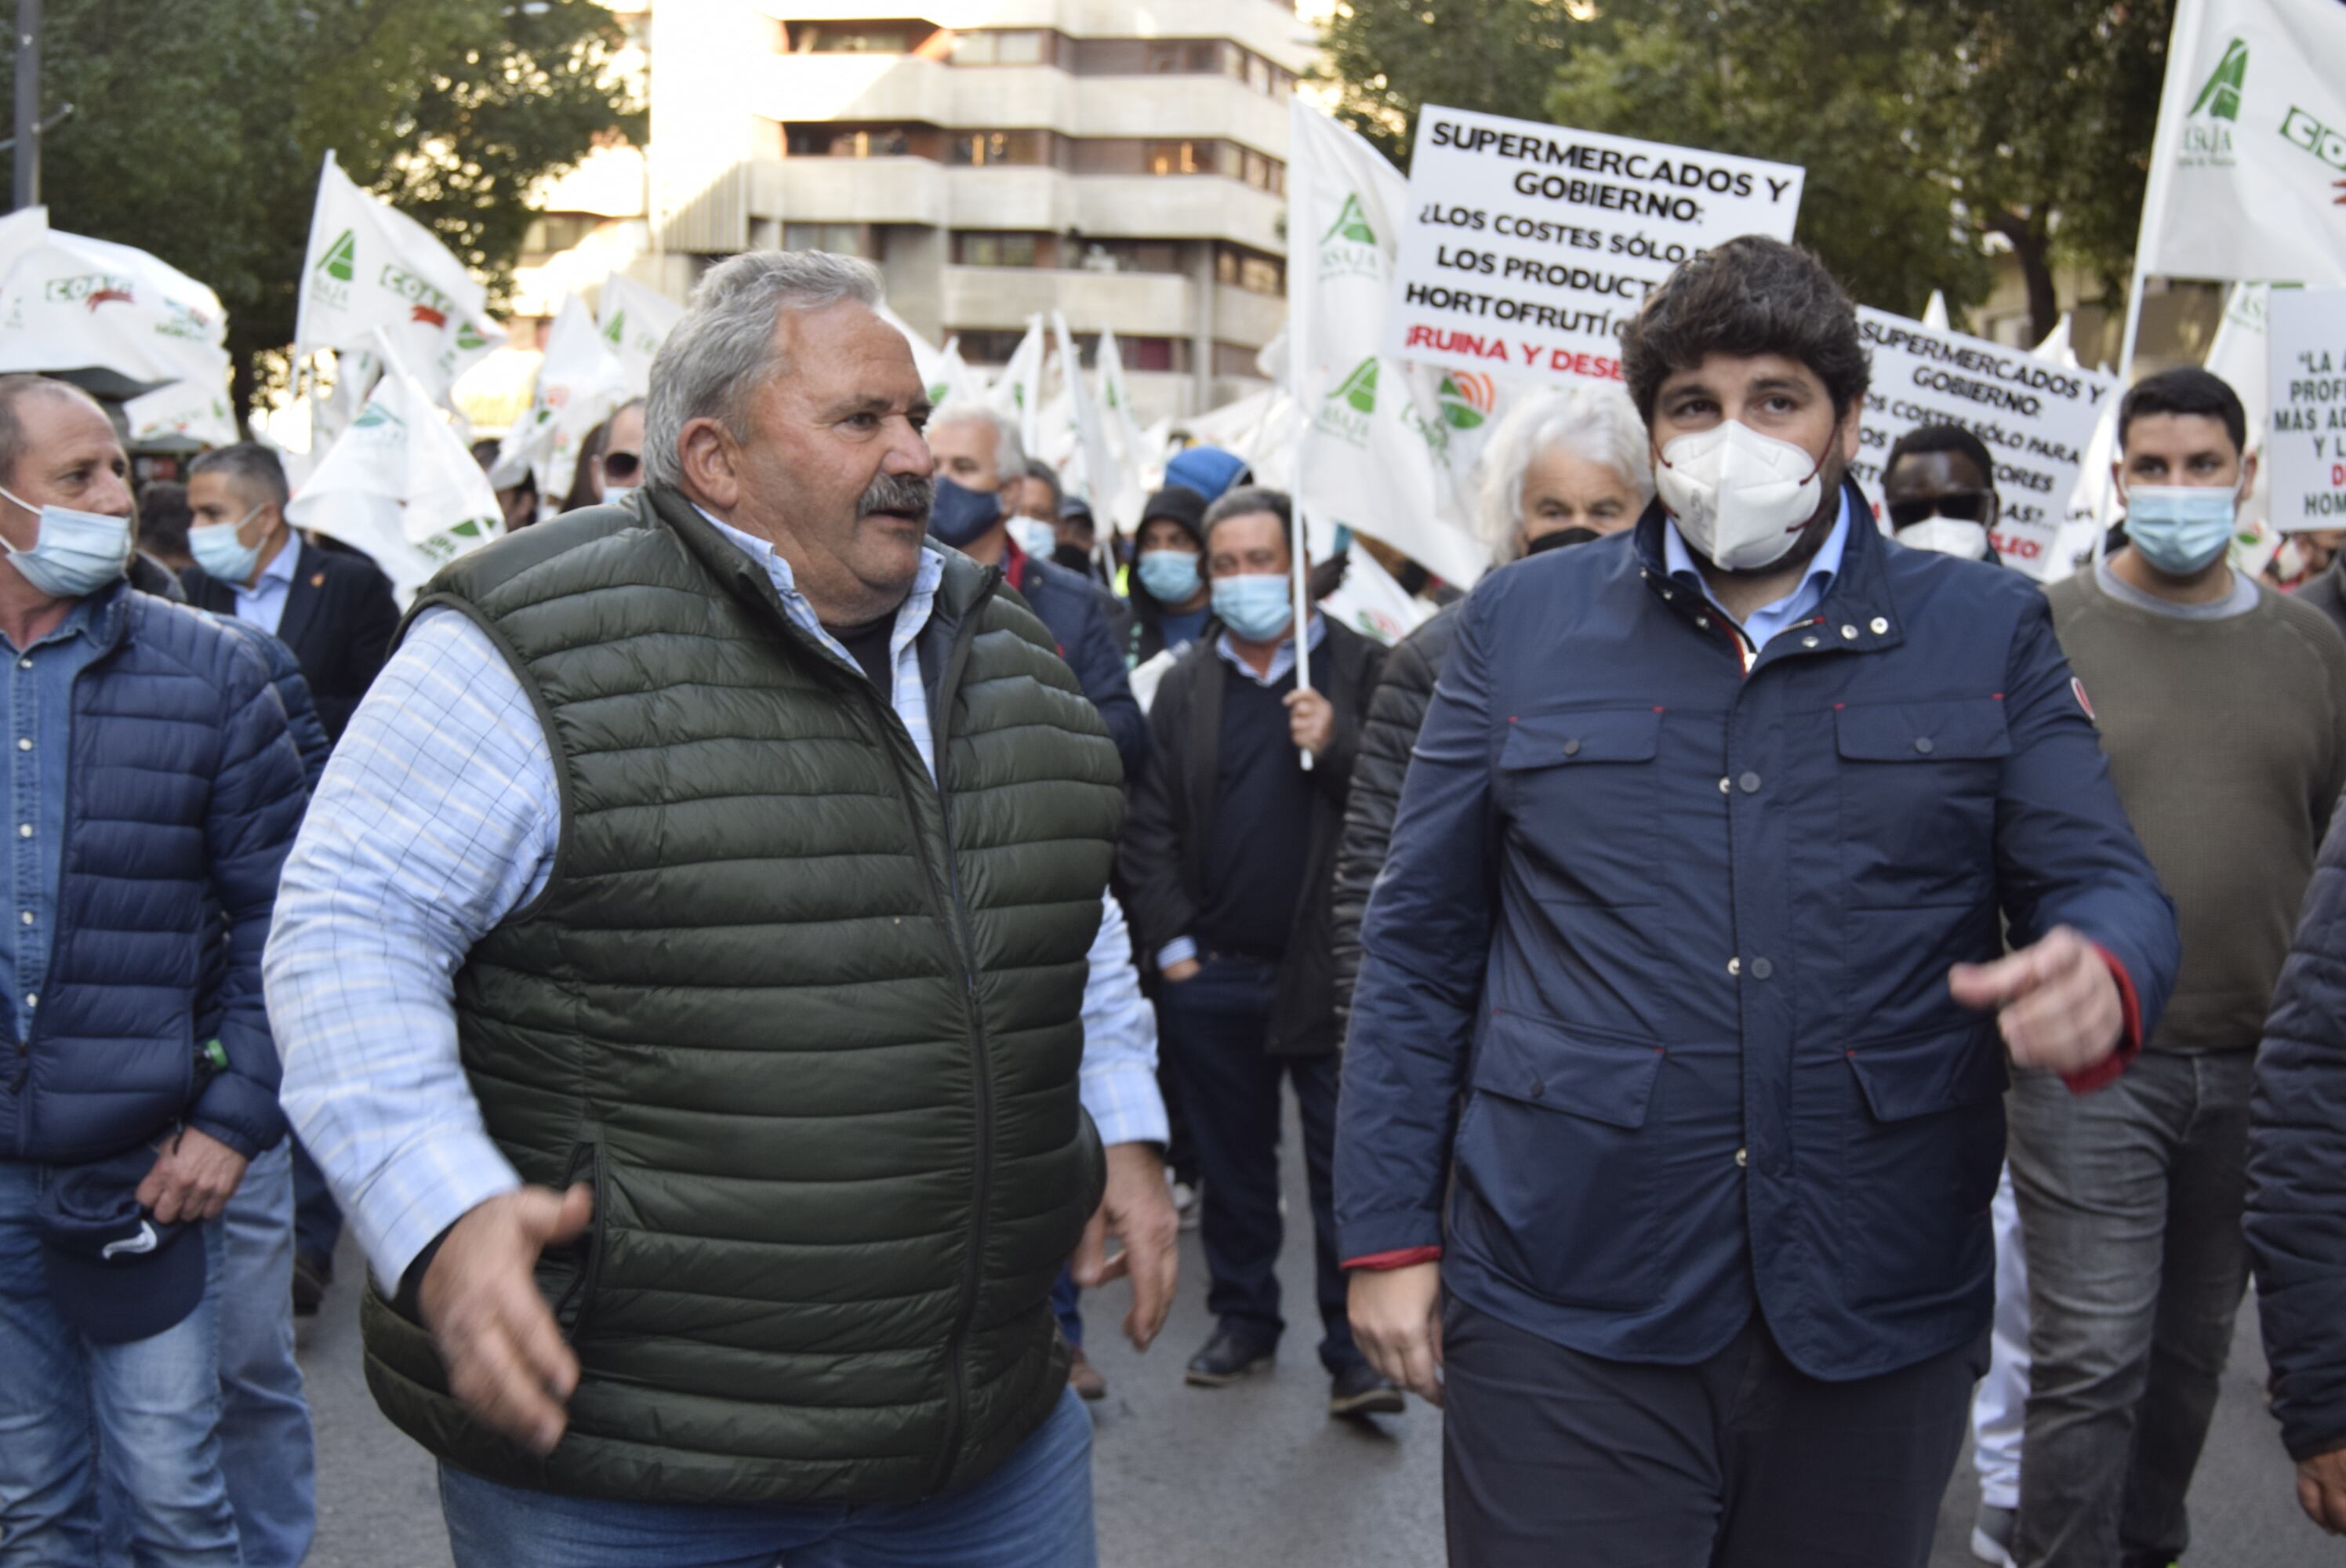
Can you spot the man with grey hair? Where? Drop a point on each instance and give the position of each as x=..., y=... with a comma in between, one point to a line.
x=695, y=980
x=981, y=483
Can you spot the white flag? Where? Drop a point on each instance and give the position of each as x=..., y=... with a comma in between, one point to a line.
x=2248, y=172
x=1134, y=454
x=1099, y=479
x=400, y=486
x=635, y=320
x=579, y=383
x=71, y=304
x=1019, y=392
x=943, y=371
x=1385, y=445
x=192, y=410
x=371, y=267
x=1370, y=603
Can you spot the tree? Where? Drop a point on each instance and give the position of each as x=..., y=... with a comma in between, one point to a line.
x=200, y=127
x=1933, y=131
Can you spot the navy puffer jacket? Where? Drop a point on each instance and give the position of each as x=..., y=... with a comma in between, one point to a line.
x=186, y=793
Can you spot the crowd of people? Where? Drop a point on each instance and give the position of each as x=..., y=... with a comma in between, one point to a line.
x=1762, y=987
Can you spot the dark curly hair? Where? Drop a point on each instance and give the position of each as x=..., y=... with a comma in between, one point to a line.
x=1750, y=296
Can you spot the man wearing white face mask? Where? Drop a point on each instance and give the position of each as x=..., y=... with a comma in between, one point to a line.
x=2222, y=707
x=1672, y=1093
x=153, y=794
x=1938, y=490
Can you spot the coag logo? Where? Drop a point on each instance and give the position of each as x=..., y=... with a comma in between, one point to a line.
x=2207, y=128
x=1466, y=399
x=92, y=288
x=1345, y=413
x=2301, y=129
x=1349, y=248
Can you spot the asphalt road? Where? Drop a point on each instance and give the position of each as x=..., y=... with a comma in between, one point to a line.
x=1254, y=1476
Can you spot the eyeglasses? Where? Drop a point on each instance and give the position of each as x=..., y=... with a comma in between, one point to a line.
x=621, y=466
x=1962, y=505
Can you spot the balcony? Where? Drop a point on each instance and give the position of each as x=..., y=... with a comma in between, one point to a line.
x=1267, y=27
x=1242, y=317
x=1178, y=206
x=851, y=190
x=1131, y=304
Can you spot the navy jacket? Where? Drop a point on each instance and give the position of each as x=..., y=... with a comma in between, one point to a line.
x=1081, y=615
x=339, y=618
x=1659, y=954
x=186, y=795
x=2297, y=1169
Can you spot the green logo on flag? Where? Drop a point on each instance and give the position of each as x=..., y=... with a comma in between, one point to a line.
x=939, y=392
x=2221, y=98
x=1360, y=388
x=1352, y=223
x=468, y=336
x=612, y=333
x=374, y=415
x=1461, y=407
x=342, y=258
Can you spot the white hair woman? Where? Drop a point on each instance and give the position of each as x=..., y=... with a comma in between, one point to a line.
x=1565, y=466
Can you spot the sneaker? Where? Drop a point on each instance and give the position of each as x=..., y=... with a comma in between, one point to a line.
x=311, y=1277
x=1227, y=1358
x=1992, y=1536
x=1361, y=1391
x=1083, y=1376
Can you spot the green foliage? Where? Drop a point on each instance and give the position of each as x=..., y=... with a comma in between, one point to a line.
x=1926, y=125
x=200, y=127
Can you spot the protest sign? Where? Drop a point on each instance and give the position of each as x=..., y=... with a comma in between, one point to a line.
x=2036, y=418
x=2306, y=446
x=1525, y=248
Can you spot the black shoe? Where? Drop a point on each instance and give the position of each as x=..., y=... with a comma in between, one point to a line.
x=1361, y=1391
x=1228, y=1357
x=311, y=1278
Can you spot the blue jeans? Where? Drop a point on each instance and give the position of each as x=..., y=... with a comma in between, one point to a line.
x=1036, y=1511
x=154, y=1405
x=266, y=1452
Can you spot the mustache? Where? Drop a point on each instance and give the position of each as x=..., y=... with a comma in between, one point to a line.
x=912, y=497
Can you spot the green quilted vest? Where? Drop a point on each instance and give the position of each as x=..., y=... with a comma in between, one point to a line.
x=809, y=1024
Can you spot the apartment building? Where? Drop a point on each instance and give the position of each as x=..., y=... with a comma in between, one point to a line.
x=1122, y=160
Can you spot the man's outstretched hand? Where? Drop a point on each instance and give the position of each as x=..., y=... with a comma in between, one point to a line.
x=505, y=1356
x=1136, y=1208
x=2055, y=1001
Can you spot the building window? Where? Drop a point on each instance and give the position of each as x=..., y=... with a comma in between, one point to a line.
x=846, y=141
x=1250, y=271
x=981, y=150
x=1237, y=359
x=979, y=247
x=558, y=231
x=850, y=37
x=1178, y=158
x=838, y=238
x=1007, y=46
x=988, y=348
x=1153, y=353
x=1186, y=58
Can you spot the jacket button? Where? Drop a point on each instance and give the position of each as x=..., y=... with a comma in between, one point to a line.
x=1734, y=966
x=1880, y=626
x=1725, y=784
x=1742, y=1158
x=1749, y=783
x=1808, y=642
x=1849, y=633
x=1924, y=746
x=25, y=744
x=1572, y=748
x=1761, y=969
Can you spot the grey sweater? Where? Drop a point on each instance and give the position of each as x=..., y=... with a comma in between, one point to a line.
x=2227, y=740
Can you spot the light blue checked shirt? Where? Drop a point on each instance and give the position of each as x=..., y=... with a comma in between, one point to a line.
x=437, y=817
x=262, y=603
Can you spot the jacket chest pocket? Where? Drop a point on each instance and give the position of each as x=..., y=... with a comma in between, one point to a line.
x=1579, y=793
x=1918, y=789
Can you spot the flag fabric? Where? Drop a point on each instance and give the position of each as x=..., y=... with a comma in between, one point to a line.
x=1134, y=457
x=400, y=485
x=1018, y=393
x=1370, y=603
x=580, y=381
x=2247, y=171
x=193, y=411
x=634, y=319
x=1097, y=477
x=1385, y=445
x=943, y=371
x=129, y=322
x=371, y=268
x=2241, y=353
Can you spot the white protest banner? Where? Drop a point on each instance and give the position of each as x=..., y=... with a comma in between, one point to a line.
x=2036, y=418
x=2247, y=170
x=1527, y=247
x=635, y=320
x=71, y=304
x=400, y=486
x=370, y=267
x=2306, y=448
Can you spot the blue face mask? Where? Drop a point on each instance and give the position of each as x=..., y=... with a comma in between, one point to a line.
x=221, y=553
x=75, y=553
x=1255, y=606
x=959, y=515
x=1169, y=576
x=2180, y=529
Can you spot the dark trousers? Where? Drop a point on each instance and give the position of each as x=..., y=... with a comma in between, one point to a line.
x=317, y=1221
x=1214, y=1026
x=1550, y=1456
x=2130, y=1207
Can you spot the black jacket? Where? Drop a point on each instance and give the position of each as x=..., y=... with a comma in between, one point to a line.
x=1161, y=862
x=2327, y=593
x=1396, y=713
x=1081, y=618
x=339, y=618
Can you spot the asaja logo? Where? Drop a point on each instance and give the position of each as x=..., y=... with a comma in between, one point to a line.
x=2207, y=127
x=1466, y=399
x=615, y=333
x=375, y=416
x=1349, y=248
x=1345, y=413
x=341, y=259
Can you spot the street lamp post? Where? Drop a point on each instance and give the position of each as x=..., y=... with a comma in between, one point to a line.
x=28, y=104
